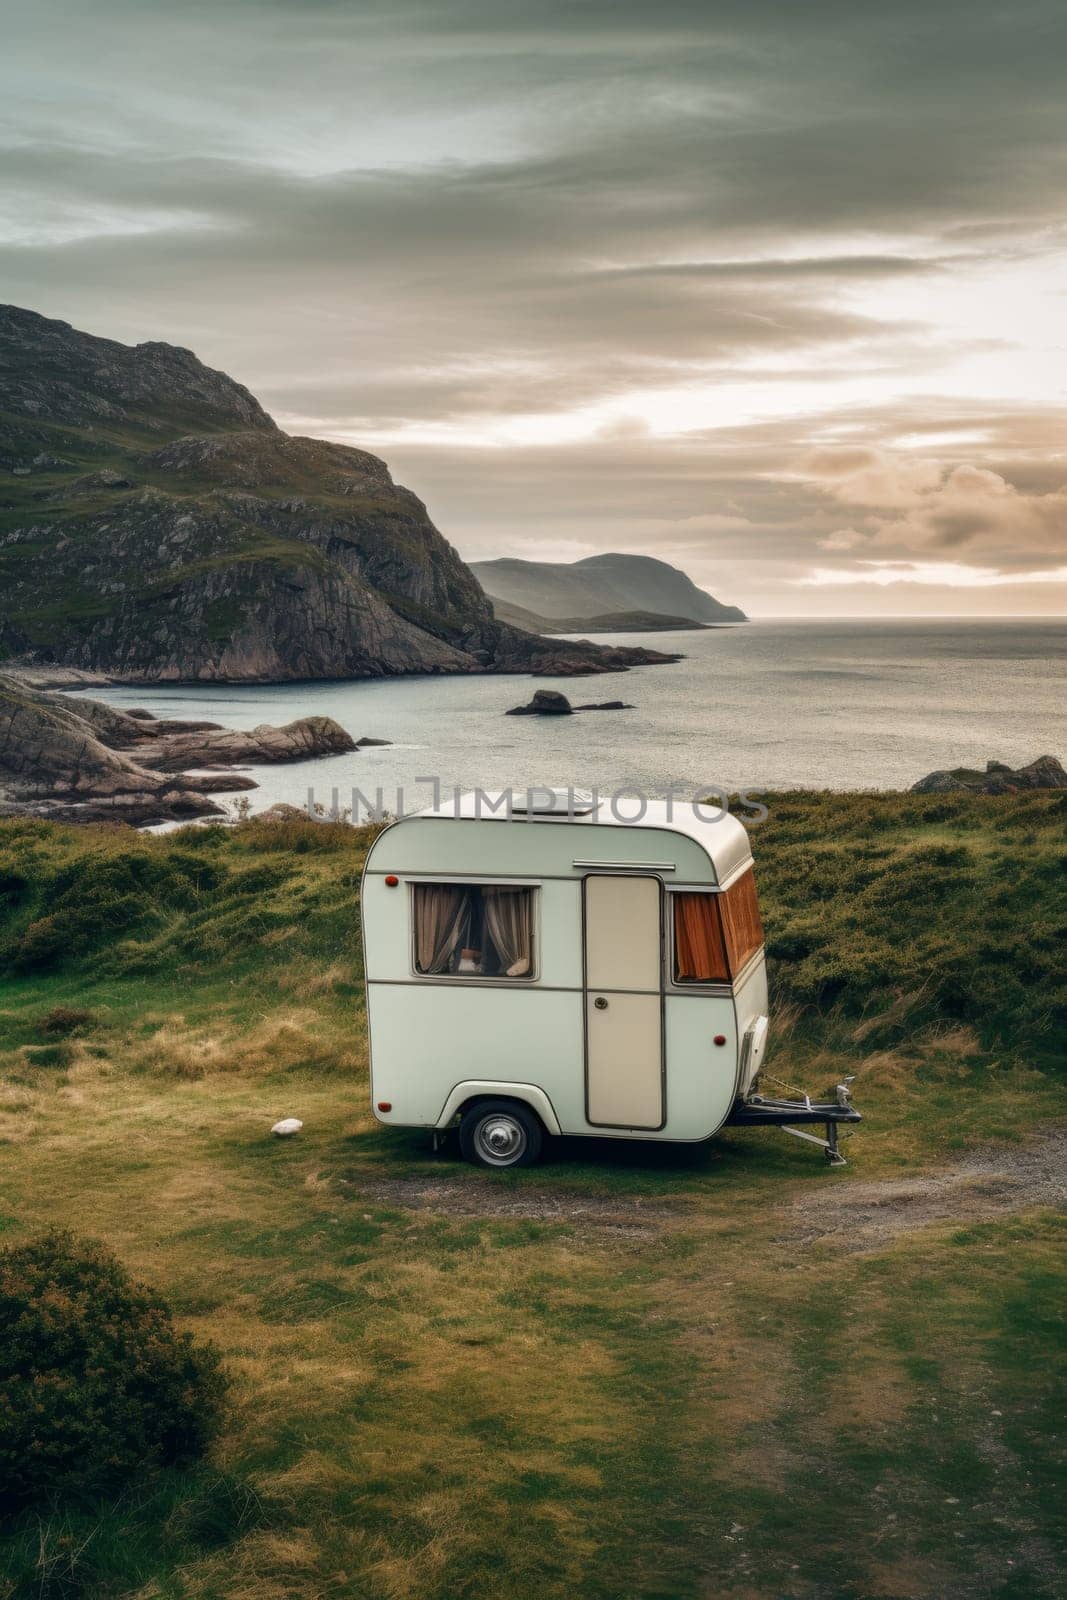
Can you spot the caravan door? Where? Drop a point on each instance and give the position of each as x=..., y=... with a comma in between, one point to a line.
x=624, y=1002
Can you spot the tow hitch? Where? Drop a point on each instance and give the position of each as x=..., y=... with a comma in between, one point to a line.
x=757, y=1111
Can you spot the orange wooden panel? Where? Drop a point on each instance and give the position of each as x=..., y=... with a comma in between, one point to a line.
x=742, y=928
x=699, y=951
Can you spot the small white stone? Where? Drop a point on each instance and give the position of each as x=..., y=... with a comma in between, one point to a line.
x=287, y=1126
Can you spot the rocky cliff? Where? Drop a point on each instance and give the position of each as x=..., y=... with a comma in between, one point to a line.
x=156, y=524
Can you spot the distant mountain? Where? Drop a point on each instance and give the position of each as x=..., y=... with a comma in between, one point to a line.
x=601, y=585
x=156, y=524
x=610, y=622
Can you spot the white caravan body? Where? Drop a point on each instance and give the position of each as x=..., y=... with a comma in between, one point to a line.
x=593, y=995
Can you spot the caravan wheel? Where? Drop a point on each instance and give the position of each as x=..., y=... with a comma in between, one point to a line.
x=501, y=1133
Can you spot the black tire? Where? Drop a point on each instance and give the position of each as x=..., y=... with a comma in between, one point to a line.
x=506, y=1127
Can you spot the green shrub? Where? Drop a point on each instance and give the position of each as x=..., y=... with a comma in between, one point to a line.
x=101, y=894
x=13, y=889
x=96, y=1384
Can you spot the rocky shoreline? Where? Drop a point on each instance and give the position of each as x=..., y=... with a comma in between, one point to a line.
x=70, y=757
x=998, y=778
x=80, y=760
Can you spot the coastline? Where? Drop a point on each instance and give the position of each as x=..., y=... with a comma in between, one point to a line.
x=772, y=706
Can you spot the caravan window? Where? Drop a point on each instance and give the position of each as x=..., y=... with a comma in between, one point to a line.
x=716, y=935
x=473, y=930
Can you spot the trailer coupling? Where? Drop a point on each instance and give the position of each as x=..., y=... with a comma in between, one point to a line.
x=758, y=1112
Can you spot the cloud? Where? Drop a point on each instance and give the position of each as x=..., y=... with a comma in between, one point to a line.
x=937, y=574
x=921, y=504
x=590, y=276
x=840, y=539
x=757, y=267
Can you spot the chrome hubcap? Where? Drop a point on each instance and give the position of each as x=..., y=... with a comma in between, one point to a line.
x=500, y=1139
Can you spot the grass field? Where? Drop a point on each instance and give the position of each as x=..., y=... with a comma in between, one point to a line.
x=721, y=1372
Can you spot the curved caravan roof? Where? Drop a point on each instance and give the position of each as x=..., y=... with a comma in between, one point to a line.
x=479, y=835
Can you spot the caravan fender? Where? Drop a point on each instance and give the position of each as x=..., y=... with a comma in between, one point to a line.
x=529, y=1093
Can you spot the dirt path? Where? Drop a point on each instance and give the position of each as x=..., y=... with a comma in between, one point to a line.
x=474, y=1195
x=986, y=1183
x=854, y=1216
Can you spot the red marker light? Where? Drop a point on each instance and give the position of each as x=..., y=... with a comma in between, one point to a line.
x=385, y=1105
x=391, y=881
x=720, y=1038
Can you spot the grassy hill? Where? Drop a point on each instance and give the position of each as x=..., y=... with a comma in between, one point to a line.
x=612, y=622
x=723, y=1371
x=600, y=585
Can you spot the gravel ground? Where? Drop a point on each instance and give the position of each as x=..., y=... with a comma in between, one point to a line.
x=985, y=1183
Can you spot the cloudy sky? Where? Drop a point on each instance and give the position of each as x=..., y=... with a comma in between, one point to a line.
x=776, y=289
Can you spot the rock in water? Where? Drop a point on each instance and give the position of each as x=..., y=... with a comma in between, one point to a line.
x=545, y=703
x=160, y=527
x=296, y=741
x=606, y=705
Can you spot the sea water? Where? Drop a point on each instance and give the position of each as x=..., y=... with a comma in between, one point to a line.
x=761, y=706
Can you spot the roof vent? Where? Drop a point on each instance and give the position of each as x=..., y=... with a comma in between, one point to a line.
x=552, y=803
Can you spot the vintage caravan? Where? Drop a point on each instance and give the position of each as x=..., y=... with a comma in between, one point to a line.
x=548, y=968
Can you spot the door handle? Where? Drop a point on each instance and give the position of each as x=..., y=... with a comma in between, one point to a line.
x=600, y=1003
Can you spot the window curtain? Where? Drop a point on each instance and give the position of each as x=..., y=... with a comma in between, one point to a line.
x=699, y=952
x=508, y=921
x=442, y=916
